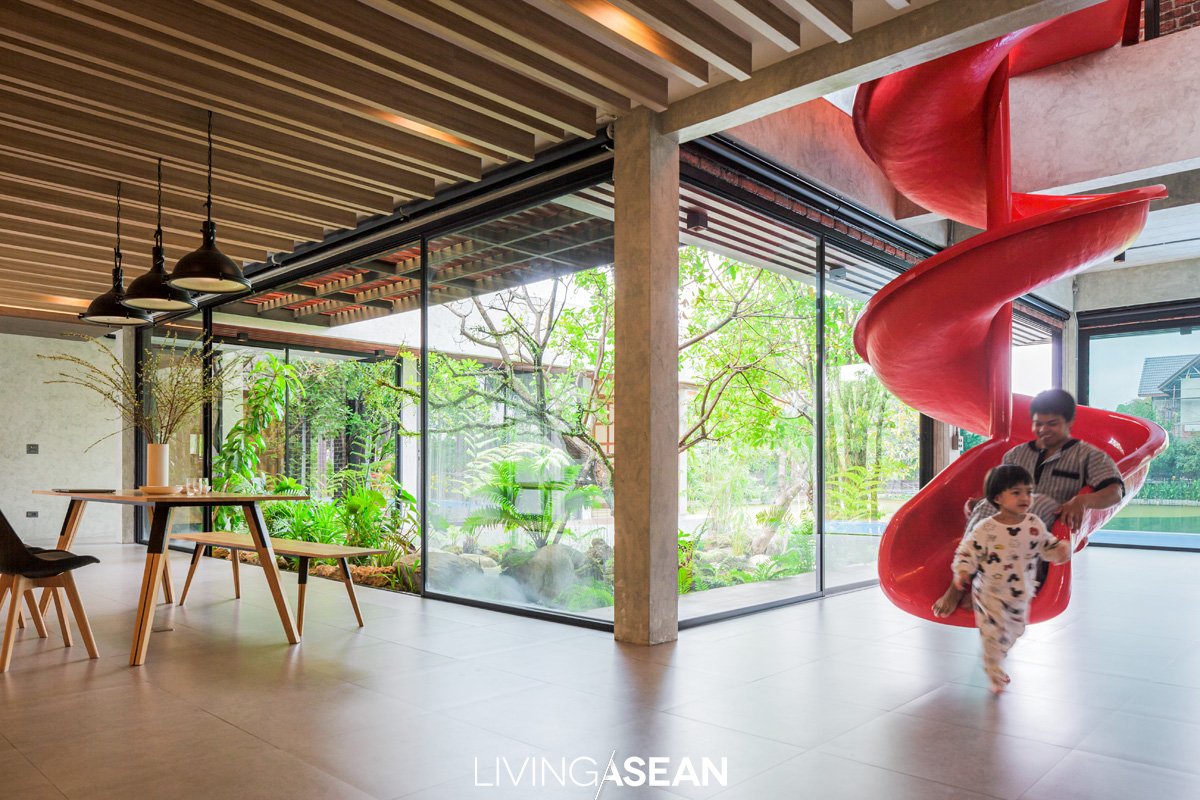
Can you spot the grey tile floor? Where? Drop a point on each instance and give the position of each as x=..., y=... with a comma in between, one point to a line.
x=840, y=698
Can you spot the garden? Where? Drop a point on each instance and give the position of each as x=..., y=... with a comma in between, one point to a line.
x=521, y=456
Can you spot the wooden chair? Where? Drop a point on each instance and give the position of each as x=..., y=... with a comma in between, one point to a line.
x=22, y=570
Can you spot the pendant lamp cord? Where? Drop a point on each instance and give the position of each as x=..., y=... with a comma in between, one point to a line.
x=208, y=202
x=117, y=251
x=158, y=236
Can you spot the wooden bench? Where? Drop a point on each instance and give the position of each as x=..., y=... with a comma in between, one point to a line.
x=303, y=551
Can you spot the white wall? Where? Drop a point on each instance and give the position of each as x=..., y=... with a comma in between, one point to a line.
x=63, y=421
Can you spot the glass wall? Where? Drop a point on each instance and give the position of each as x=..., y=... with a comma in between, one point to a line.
x=166, y=345
x=521, y=455
x=748, y=365
x=872, y=447
x=518, y=455
x=1154, y=374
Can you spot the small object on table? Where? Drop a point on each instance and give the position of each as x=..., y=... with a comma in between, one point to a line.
x=161, y=489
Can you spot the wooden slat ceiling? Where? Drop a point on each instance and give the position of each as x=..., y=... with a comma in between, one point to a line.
x=326, y=112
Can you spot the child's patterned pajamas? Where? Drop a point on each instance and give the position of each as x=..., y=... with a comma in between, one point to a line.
x=1003, y=559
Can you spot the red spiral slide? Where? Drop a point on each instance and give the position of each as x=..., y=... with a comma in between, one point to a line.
x=939, y=337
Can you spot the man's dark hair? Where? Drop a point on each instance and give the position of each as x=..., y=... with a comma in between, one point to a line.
x=1054, y=401
x=1004, y=477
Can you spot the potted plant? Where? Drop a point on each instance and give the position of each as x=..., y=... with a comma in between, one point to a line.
x=175, y=382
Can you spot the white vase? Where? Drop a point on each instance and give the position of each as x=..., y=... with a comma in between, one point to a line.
x=157, y=463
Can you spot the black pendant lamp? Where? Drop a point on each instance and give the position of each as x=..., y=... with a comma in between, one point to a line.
x=151, y=291
x=208, y=269
x=107, y=309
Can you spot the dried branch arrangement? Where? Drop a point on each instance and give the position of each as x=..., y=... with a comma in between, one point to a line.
x=172, y=375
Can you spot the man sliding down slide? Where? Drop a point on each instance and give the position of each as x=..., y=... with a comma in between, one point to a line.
x=1061, y=467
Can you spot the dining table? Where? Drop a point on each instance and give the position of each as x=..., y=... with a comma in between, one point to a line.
x=159, y=508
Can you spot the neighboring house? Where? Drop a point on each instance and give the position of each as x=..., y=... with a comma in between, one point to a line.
x=1172, y=383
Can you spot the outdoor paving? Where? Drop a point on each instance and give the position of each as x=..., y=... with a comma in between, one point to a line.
x=839, y=698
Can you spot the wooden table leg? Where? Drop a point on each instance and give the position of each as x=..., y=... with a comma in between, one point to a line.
x=266, y=557
x=150, y=581
x=235, y=560
x=302, y=587
x=167, y=586
x=66, y=538
x=345, y=565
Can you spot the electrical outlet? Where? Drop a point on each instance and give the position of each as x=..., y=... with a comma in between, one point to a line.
x=31, y=449
x=30, y=514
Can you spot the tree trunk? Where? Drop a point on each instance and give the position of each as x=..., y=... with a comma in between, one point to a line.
x=775, y=514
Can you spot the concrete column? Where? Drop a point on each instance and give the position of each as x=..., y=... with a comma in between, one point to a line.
x=1070, y=355
x=646, y=352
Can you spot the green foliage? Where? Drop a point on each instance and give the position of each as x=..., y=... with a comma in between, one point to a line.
x=586, y=596
x=970, y=440
x=1180, y=462
x=854, y=492
x=1170, y=490
x=236, y=466
x=1140, y=407
x=520, y=492
x=353, y=404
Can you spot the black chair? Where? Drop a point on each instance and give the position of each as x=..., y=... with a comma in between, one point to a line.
x=23, y=569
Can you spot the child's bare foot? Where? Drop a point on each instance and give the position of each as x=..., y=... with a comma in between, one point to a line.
x=997, y=686
x=946, y=604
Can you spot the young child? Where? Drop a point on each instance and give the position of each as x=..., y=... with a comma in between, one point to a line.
x=998, y=559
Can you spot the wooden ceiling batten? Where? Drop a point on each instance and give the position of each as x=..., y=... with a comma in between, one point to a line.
x=437, y=21
x=767, y=19
x=629, y=35
x=86, y=34
x=341, y=135
x=46, y=120
x=53, y=84
x=141, y=193
x=835, y=18
x=205, y=36
x=692, y=29
x=542, y=33
x=96, y=159
x=329, y=113
x=366, y=27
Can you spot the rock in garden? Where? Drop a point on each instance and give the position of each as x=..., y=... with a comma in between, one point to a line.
x=545, y=573
x=447, y=569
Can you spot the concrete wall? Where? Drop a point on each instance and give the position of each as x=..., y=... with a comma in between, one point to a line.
x=1135, y=286
x=63, y=421
x=817, y=140
x=1129, y=114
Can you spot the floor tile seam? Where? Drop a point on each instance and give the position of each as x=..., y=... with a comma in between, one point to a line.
x=1065, y=752
x=462, y=658
x=1107, y=712
x=1123, y=710
x=506, y=693
x=38, y=770
x=419, y=791
x=491, y=732
x=985, y=731
x=772, y=738
x=1194, y=776
x=1107, y=673
x=756, y=774
x=905, y=774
